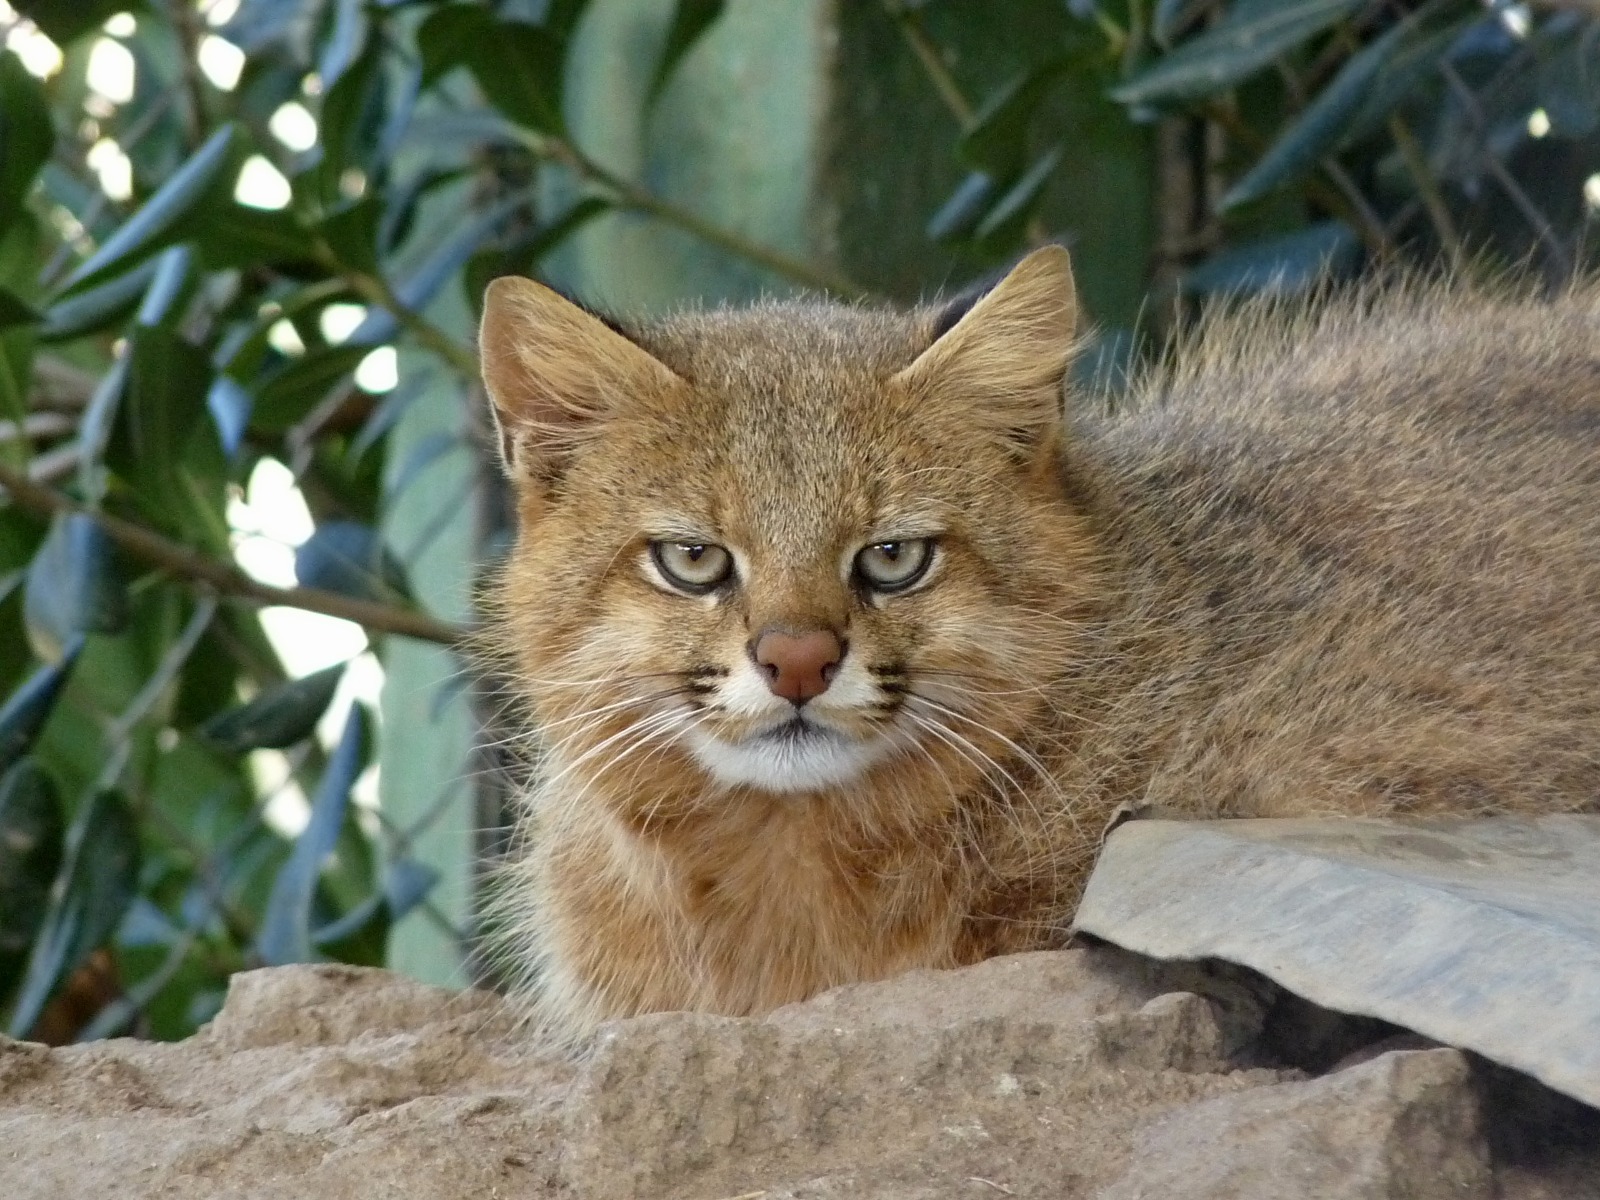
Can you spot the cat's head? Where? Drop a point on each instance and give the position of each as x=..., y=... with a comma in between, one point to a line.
x=787, y=546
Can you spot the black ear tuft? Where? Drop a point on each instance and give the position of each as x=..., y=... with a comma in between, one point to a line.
x=953, y=309
x=612, y=323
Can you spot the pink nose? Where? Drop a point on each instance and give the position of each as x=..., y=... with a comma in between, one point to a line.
x=798, y=666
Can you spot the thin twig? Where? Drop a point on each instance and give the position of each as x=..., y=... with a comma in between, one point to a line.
x=999, y=1187
x=629, y=195
x=184, y=562
x=37, y=426
x=909, y=23
x=150, y=694
x=1529, y=210
x=1427, y=189
x=375, y=289
x=183, y=14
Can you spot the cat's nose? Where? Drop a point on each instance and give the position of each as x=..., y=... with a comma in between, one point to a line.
x=797, y=666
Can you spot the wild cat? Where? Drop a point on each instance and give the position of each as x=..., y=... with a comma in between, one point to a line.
x=843, y=634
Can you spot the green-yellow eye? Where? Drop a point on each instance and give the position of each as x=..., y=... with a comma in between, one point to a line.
x=894, y=566
x=696, y=567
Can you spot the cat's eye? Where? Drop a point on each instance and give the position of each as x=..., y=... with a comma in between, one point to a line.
x=696, y=567
x=894, y=566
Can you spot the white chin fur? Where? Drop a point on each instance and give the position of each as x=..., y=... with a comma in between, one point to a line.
x=786, y=766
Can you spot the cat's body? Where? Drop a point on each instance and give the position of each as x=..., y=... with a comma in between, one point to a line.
x=1342, y=563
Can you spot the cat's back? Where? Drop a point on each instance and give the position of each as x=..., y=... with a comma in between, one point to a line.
x=1371, y=534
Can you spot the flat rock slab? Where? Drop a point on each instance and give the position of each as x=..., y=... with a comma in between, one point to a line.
x=1481, y=933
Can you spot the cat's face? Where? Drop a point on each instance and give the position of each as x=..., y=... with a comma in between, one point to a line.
x=790, y=546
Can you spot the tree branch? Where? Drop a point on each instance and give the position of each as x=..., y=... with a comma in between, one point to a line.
x=629, y=195
x=183, y=562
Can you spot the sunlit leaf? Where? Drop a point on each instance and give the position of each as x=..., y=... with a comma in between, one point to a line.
x=24, y=713
x=229, y=405
x=93, y=309
x=74, y=586
x=174, y=268
x=143, y=232
x=286, y=926
x=960, y=214
x=345, y=41
x=349, y=558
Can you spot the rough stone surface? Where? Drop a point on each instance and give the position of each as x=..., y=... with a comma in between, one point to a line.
x=1406, y=1123
x=1483, y=933
x=1079, y=1073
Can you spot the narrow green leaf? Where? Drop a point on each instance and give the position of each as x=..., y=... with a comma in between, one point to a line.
x=278, y=718
x=292, y=390
x=26, y=136
x=690, y=20
x=517, y=65
x=360, y=934
x=285, y=934
x=16, y=370
x=96, y=308
x=998, y=137
x=548, y=236
x=446, y=36
x=1285, y=264
x=352, y=233
x=174, y=266
x=1015, y=205
x=418, y=289
x=428, y=450
x=1232, y=51
x=15, y=311
x=958, y=215
x=229, y=404
x=1318, y=128
x=31, y=828
x=143, y=232
x=73, y=586
x=350, y=125
x=97, y=883
x=1170, y=15
x=349, y=558
x=162, y=413
x=524, y=255
x=29, y=707
x=98, y=424
x=345, y=41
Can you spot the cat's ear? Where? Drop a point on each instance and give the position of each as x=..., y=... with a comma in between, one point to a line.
x=1004, y=358
x=555, y=371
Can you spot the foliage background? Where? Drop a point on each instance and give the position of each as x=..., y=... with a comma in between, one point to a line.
x=241, y=249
